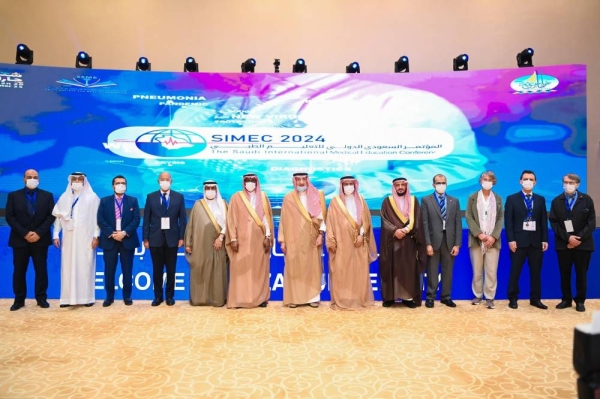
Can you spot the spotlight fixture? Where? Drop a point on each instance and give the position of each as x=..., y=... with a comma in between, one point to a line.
x=276, y=64
x=190, y=65
x=461, y=63
x=248, y=65
x=525, y=58
x=354, y=67
x=401, y=65
x=24, y=55
x=300, y=66
x=83, y=60
x=143, y=65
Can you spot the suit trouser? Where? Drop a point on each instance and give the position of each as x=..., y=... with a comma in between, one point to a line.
x=110, y=267
x=534, y=257
x=163, y=256
x=581, y=259
x=447, y=260
x=484, y=262
x=39, y=256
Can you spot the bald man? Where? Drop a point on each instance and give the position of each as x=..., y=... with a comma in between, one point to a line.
x=163, y=232
x=29, y=215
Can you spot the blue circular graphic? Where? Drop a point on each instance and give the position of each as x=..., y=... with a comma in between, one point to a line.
x=171, y=143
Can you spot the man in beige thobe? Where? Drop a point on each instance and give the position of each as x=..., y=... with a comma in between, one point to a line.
x=205, y=249
x=351, y=246
x=248, y=243
x=301, y=230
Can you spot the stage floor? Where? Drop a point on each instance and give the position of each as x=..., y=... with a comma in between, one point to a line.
x=184, y=351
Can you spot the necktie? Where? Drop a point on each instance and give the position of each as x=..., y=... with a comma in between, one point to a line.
x=570, y=199
x=30, y=202
x=528, y=196
x=165, y=206
x=443, y=206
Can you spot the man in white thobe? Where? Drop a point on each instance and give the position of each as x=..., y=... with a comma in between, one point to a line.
x=75, y=214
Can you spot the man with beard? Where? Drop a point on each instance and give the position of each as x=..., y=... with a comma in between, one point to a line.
x=301, y=230
x=403, y=255
x=248, y=243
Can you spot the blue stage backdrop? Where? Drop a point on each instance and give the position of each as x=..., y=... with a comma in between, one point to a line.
x=377, y=127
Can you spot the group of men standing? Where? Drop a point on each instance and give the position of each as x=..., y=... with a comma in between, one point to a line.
x=228, y=247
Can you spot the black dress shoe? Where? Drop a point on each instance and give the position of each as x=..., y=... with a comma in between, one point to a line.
x=156, y=302
x=564, y=305
x=64, y=305
x=43, y=304
x=448, y=302
x=128, y=302
x=580, y=307
x=107, y=302
x=88, y=305
x=429, y=303
x=170, y=302
x=16, y=306
x=411, y=304
x=263, y=305
x=513, y=304
x=538, y=304
x=387, y=304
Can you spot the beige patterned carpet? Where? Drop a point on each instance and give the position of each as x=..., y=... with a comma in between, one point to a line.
x=190, y=352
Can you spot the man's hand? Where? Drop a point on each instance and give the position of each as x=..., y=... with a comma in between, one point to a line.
x=574, y=241
x=399, y=234
x=490, y=241
x=218, y=244
x=513, y=246
x=180, y=244
x=119, y=235
x=146, y=244
x=482, y=237
x=188, y=250
x=32, y=237
x=544, y=246
x=56, y=242
x=94, y=243
x=359, y=241
x=319, y=241
x=454, y=250
x=429, y=250
x=283, y=248
x=235, y=246
x=267, y=244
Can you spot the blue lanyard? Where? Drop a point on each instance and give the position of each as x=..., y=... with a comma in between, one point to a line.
x=569, y=203
x=73, y=206
x=119, y=205
x=529, y=205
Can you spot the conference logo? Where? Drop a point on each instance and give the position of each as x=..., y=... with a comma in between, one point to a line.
x=86, y=82
x=534, y=83
x=11, y=80
x=171, y=143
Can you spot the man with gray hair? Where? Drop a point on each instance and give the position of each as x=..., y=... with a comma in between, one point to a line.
x=573, y=219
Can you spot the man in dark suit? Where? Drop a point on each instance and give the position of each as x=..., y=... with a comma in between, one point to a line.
x=29, y=215
x=573, y=219
x=443, y=235
x=118, y=219
x=526, y=224
x=164, y=231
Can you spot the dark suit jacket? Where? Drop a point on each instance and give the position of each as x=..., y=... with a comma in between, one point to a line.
x=515, y=213
x=153, y=212
x=130, y=221
x=21, y=222
x=432, y=222
x=583, y=216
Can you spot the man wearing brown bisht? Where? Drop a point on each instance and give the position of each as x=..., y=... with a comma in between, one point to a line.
x=248, y=243
x=351, y=246
x=301, y=230
x=205, y=249
x=403, y=254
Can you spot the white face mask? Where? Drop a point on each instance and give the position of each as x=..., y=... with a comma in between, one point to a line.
x=487, y=185
x=210, y=194
x=301, y=189
x=32, y=183
x=165, y=185
x=120, y=188
x=250, y=186
x=527, y=185
x=348, y=190
x=440, y=188
x=77, y=186
x=569, y=188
